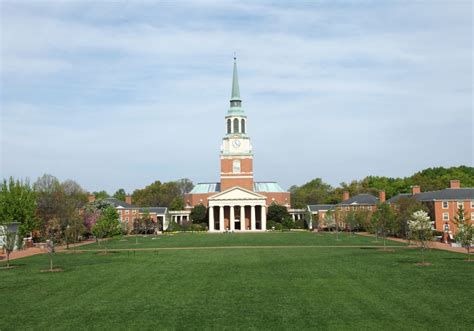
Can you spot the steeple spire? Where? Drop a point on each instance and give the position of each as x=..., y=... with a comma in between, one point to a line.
x=235, y=84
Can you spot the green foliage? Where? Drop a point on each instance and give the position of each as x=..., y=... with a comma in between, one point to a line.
x=383, y=220
x=9, y=244
x=120, y=194
x=431, y=179
x=277, y=213
x=162, y=194
x=101, y=195
x=107, y=224
x=405, y=207
x=465, y=230
x=177, y=203
x=199, y=214
x=299, y=224
x=18, y=204
x=287, y=223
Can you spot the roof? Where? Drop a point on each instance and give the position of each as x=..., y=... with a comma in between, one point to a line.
x=267, y=187
x=203, y=188
x=446, y=194
x=321, y=207
x=122, y=204
x=119, y=203
x=361, y=199
x=158, y=210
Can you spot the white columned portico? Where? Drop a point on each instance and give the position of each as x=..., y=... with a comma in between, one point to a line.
x=264, y=218
x=242, y=218
x=211, y=218
x=232, y=219
x=221, y=218
x=252, y=218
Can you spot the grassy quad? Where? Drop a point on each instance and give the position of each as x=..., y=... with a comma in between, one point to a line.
x=203, y=239
x=281, y=288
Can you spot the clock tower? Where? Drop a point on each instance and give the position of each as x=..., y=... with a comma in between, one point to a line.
x=236, y=150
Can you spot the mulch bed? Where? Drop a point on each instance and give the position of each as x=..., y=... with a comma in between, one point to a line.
x=54, y=270
x=423, y=264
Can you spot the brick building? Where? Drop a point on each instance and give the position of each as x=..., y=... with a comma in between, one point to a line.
x=236, y=202
x=443, y=204
x=128, y=212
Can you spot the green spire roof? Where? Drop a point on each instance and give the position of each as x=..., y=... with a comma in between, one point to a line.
x=235, y=83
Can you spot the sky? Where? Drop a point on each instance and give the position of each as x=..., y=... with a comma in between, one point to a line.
x=118, y=94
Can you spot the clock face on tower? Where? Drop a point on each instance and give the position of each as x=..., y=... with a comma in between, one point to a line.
x=236, y=143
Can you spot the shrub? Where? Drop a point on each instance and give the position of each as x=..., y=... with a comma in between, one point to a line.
x=299, y=224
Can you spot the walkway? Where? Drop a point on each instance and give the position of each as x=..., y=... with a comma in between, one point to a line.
x=35, y=251
x=433, y=244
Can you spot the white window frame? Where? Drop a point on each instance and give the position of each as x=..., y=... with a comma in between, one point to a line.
x=447, y=204
x=126, y=212
x=472, y=215
x=472, y=204
x=445, y=216
x=459, y=204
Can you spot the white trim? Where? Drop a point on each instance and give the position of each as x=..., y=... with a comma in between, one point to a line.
x=447, y=217
x=447, y=204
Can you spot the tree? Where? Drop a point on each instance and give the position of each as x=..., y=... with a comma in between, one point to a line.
x=465, y=230
x=351, y=220
x=9, y=243
x=277, y=213
x=404, y=208
x=199, y=214
x=100, y=195
x=329, y=219
x=312, y=192
x=120, y=194
x=54, y=234
x=421, y=230
x=384, y=221
x=107, y=224
x=18, y=204
x=184, y=185
x=177, y=204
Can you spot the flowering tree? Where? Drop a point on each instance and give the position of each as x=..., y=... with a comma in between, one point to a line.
x=465, y=232
x=421, y=231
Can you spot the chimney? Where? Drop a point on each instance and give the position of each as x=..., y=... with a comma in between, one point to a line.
x=382, y=196
x=128, y=199
x=91, y=198
x=345, y=196
x=454, y=183
x=415, y=189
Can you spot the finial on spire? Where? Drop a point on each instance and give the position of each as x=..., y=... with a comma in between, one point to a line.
x=235, y=56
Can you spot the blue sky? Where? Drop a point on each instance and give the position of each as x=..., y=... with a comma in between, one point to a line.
x=119, y=94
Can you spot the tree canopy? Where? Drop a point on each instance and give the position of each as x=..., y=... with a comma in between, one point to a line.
x=431, y=179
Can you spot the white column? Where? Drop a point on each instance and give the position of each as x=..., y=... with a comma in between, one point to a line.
x=264, y=218
x=252, y=218
x=232, y=218
x=211, y=218
x=293, y=217
x=221, y=218
x=242, y=218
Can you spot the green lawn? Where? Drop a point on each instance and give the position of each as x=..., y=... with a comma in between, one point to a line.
x=280, y=288
x=203, y=239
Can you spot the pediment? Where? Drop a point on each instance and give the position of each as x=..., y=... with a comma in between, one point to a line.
x=237, y=193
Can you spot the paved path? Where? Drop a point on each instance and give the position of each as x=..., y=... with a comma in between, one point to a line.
x=433, y=244
x=231, y=247
x=35, y=250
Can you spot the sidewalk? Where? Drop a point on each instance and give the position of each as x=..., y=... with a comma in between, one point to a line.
x=433, y=244
x=35, y=250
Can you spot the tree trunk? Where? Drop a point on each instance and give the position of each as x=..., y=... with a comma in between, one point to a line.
x=423, y=254
x=8, y=259
x=51, y=261
x=469, y=253
x=384, y=245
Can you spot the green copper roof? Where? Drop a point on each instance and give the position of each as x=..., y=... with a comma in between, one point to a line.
x=235, y=83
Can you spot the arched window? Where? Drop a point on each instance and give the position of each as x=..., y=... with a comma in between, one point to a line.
x=236, y=125
x=229, y=126
x=242, y=126
x=236, y=166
